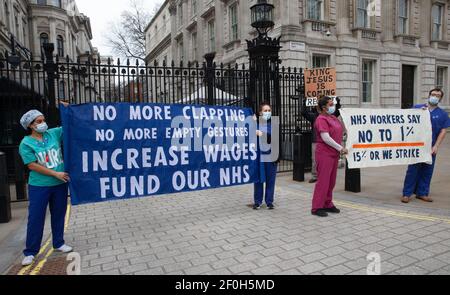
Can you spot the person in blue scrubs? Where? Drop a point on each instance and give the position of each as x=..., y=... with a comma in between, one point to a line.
x=418, y=177
x=47, y=184
x=268, y=169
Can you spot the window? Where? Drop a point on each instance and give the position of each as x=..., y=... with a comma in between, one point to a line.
x=320, y=61
x=212, y=36
x=368, y=68
x=403, y=15
x=234, y=35
x=44, y=39
x=441, y=78
x=164, y=27
x=181, y=50
x=362, y=14
x=180, y=15
x=24, y=32
x=61, y=90
x=437, y=11
x=7, y=14
x=60, y=45
x=42, y=2
x=194, y=46
x=193, y=7
x=315, y=9
x=16, y=23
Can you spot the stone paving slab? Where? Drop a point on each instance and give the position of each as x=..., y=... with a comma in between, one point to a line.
x=215, y=232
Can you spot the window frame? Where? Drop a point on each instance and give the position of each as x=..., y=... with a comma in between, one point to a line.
x=194, y=7
x=320, y=12
x=443, y=84
x=234, y=26
x=43, y=40
x=180, y=14
x=402, y=19
x=181, y=49
x=373, y=83
x=62, y=89
x=7, y=16
x=211, y=35
x=60, y=46
x=369, y=21
x=317, y=55
x=194, y=45
x=441, y=24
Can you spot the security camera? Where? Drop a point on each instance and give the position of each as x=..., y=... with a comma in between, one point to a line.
x=328, y=33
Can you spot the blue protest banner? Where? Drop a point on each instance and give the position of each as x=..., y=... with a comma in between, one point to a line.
x=119, y=151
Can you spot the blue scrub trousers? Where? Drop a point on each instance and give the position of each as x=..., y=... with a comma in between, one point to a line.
x=270, y=172
x=40, y=197
x=418, y=179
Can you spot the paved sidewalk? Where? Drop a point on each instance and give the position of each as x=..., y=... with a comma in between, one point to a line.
x=214, y=232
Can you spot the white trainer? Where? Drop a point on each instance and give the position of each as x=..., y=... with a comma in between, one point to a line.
x=28, y=260
x=65, y=249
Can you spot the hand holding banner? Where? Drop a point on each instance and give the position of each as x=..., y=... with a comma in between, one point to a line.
x=377, y=138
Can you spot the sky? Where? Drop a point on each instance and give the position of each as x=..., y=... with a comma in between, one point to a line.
x=102, y=13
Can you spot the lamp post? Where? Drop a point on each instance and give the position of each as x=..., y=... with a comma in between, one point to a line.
x=264, y=59
x=14, y=58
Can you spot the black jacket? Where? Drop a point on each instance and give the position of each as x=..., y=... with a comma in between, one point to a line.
x=311, y=114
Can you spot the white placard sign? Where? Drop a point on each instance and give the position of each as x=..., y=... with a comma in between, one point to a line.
x=387, y=137
x=313, y=101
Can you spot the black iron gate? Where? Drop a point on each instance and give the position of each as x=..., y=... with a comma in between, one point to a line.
x=42, y=83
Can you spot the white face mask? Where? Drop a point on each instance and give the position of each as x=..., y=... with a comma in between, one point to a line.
x=41, y=128
x=433, y=100
x=331, y=110
x=267, y=116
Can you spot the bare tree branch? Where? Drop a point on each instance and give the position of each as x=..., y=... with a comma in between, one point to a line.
x=127, y=35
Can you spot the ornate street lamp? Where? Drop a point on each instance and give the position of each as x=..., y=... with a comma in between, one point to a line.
x=264, y=56
x=262, y=17
x=13, y=59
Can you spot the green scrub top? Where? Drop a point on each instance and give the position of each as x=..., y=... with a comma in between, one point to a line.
x=46, y=153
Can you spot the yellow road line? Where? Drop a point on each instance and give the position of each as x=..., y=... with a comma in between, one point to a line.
x=41, y=262
x=393, y=212
x=24, y=270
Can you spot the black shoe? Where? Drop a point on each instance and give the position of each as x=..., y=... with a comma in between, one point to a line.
x=333, y=210
x=256, y=207
x=320, y=213
x=313, y=180
x=271, y=207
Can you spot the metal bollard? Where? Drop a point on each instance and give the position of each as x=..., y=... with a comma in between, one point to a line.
x=299, y=158
x=20, y=179
x=307, y=142
x=352, y=179
x=5, y=197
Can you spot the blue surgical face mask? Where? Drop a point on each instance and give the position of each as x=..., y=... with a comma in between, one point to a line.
x=267, y=116
x=41, y=128
x=331, y=110
x=433, y=100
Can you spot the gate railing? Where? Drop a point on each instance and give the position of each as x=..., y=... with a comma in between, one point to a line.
x=38, y=83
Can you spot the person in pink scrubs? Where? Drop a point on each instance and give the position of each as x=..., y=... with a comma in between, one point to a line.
x=329, y=135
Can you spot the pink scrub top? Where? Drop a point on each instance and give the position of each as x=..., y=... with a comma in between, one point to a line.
x=333, y=126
